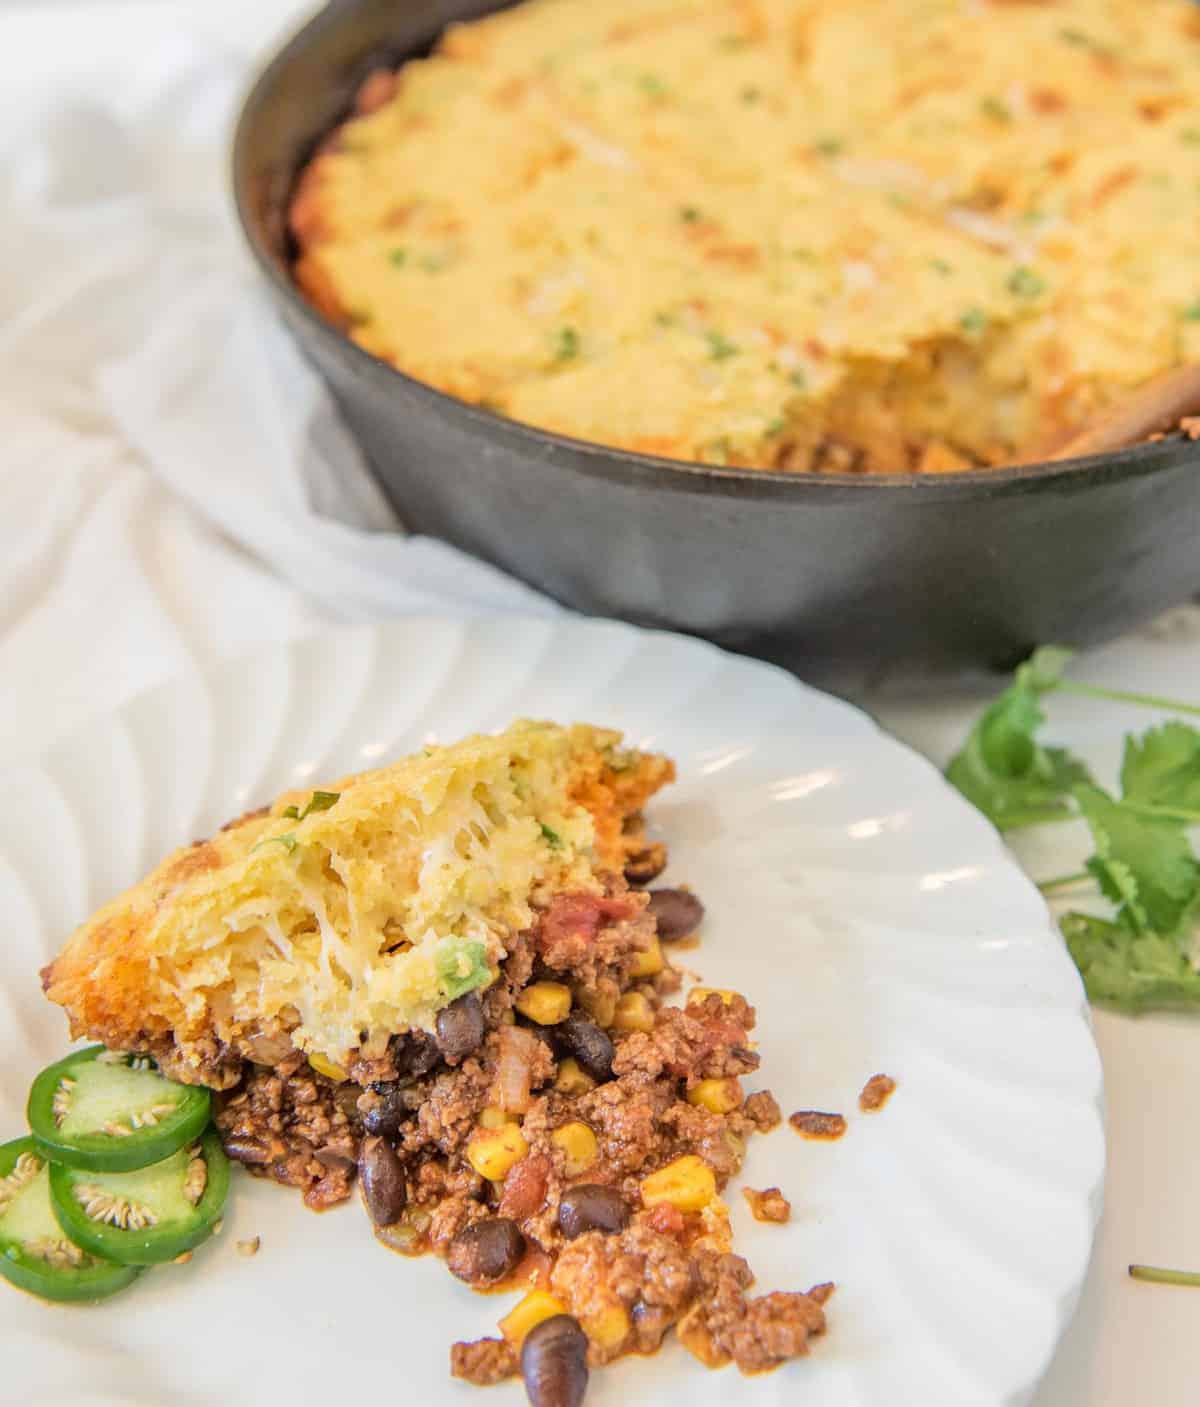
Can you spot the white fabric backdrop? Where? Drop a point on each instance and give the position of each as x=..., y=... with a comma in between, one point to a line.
x=176, y=485
x=173, y=488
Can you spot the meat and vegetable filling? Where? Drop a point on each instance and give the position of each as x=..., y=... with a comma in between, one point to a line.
x=566, y=1133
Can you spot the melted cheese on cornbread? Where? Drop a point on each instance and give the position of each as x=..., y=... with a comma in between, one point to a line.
x=339, y=927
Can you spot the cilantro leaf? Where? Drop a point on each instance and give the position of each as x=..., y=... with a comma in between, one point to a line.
x=1002, y=770
x=552, y=837
x=1162, y=768
x=1144, y=864
x=1133, y=972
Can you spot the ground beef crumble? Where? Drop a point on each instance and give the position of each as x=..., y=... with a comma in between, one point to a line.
x=876, y=1093
x=484, y=1362
x=768, y=1205
x=704, y=1040
x=762, y=1109
x=756, y=1333
x=811, y=1123
x=291, y=1125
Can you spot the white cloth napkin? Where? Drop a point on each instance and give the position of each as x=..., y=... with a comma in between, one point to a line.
x=174, y=481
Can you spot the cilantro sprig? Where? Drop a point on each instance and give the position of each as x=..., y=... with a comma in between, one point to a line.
x=1010, y=777
x=1143, y=861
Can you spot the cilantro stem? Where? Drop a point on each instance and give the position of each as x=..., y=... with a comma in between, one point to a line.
x=1170, y=813
x=1164, y=1277
x=1063, y=881
x=1094, y=691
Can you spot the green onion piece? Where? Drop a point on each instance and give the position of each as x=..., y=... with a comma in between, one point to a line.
x=1026, y=283
x=567, y=348
x=551, y=835
x=720, y=347
x=319, y=801
x=287, y=840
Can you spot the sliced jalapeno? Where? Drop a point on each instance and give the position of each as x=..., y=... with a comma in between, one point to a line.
x=147, y=1216
x=34, y=1253
x=110, y=1111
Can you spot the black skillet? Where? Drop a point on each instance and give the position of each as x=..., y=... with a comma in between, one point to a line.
x=818, y=572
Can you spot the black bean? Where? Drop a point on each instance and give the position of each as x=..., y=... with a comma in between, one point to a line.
x=589, y=1045
x=331, y=1157
x=486, y=1250
x=590, y=1206
x=414, y=1054
x=645, y=865
x=384, y=1110
x=460, y=1027
x=677, y=911
x=382, y=1175
x=554, y=1363
x=246, y=1150
x=346, y=1098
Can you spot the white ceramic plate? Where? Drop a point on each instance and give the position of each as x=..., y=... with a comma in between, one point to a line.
x=873, y=918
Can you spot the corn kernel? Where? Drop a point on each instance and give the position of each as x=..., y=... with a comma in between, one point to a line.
x=697, y=994
x=547, y=1003
x=608, y=1327
x=600, y=1006
x=493, y=1152
x=633, y=1013
x=717, y=1096
x=538, y=1305
x=493, y=1118
x=579, y=1147
x=649, y=962
x=327, y=1068
x=687, y=1183
x=572, y=1078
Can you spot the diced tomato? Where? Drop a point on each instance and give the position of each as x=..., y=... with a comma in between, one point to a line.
x=666, y=1219
x=525, y=1188
x=581, y=916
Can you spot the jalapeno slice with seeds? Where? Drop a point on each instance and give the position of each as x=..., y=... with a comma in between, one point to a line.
x=110, y=1111
x=149, y=1215
x=34, y=1253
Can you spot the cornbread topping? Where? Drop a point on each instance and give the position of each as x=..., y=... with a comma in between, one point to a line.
x=791, y=234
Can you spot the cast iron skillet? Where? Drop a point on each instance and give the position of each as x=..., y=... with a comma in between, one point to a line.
x=818, y=572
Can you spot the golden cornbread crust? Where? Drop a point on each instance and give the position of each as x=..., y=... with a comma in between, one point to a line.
x=788, y=234
x=328, y=931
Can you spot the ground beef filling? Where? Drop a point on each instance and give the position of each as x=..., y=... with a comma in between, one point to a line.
x=296, y=1127
x=584, y=1126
